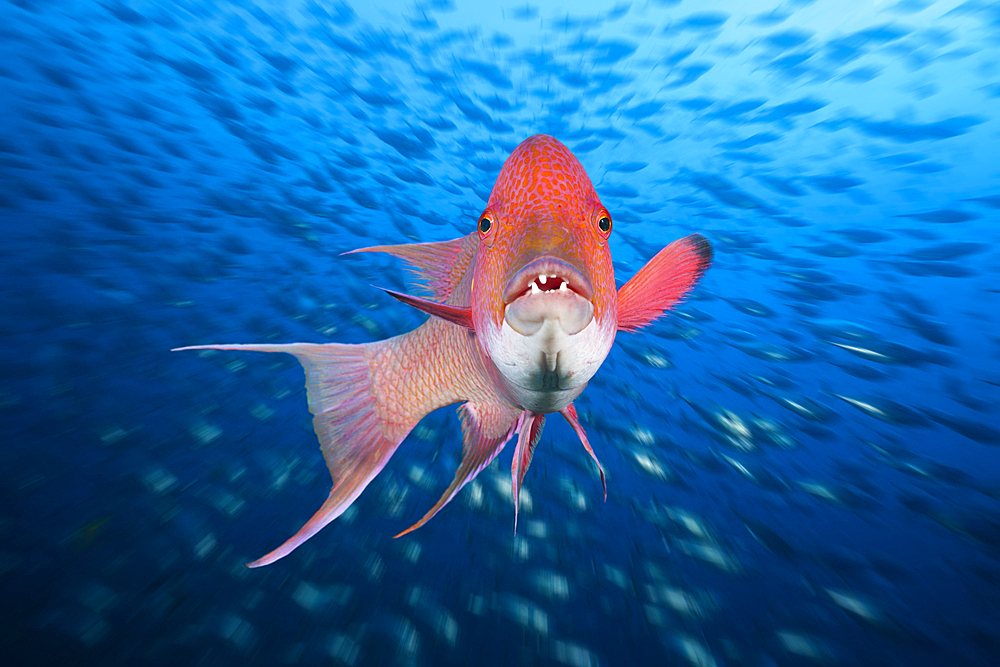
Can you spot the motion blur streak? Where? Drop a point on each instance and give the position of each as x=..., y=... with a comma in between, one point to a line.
x=801, y=461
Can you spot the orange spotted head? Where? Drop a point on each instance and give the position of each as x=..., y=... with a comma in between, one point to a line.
x=544, y=304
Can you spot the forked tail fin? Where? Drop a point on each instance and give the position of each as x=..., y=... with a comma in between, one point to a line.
x=356, y=436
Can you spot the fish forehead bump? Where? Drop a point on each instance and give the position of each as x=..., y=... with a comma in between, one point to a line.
x=542, y=173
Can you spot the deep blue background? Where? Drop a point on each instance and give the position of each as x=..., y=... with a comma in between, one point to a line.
x=801, y=459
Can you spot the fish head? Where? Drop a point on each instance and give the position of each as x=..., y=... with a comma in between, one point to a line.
x=544, y=304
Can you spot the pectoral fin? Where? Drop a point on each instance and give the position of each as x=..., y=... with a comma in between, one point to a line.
x=663, y=281
x=454, y=314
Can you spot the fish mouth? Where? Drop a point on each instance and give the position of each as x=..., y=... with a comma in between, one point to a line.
x=547, y=274
x=548, y=289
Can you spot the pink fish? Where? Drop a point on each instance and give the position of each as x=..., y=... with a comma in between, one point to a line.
x=524, y=310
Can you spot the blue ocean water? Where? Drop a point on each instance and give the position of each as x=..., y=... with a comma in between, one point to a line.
x=801, y=457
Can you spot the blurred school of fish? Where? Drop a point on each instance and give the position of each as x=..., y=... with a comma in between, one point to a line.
x=801, y=460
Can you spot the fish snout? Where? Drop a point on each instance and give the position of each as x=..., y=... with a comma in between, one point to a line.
x=548, y=289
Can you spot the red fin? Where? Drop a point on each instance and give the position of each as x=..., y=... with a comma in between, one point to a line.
x=365, y=400
x=460, y=316
x=439, y=267
x=528, y=435
x=486, y=428
x=569, y=412
x=355, y=442
x=663, y=281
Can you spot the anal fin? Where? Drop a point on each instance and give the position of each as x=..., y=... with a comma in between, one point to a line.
x=486, y=428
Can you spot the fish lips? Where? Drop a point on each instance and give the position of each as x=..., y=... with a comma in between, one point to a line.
x=548, y=289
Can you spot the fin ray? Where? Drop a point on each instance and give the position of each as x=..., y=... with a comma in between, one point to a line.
x=440, y=267
x=486, y=428
x=356, y=444
x=366, y=398
x=663, y=281
x=460, y=316
x=569, y=412
x=529, y=433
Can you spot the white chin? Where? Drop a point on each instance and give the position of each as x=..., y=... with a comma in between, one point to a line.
x=544, y=366
x=550, y=314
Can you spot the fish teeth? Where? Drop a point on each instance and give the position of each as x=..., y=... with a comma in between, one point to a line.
x=542, y=279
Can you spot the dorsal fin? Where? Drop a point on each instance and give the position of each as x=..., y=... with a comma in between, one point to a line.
x=443, y=268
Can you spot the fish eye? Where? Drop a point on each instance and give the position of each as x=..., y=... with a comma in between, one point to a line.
x=485, y=224
x=604, y=223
